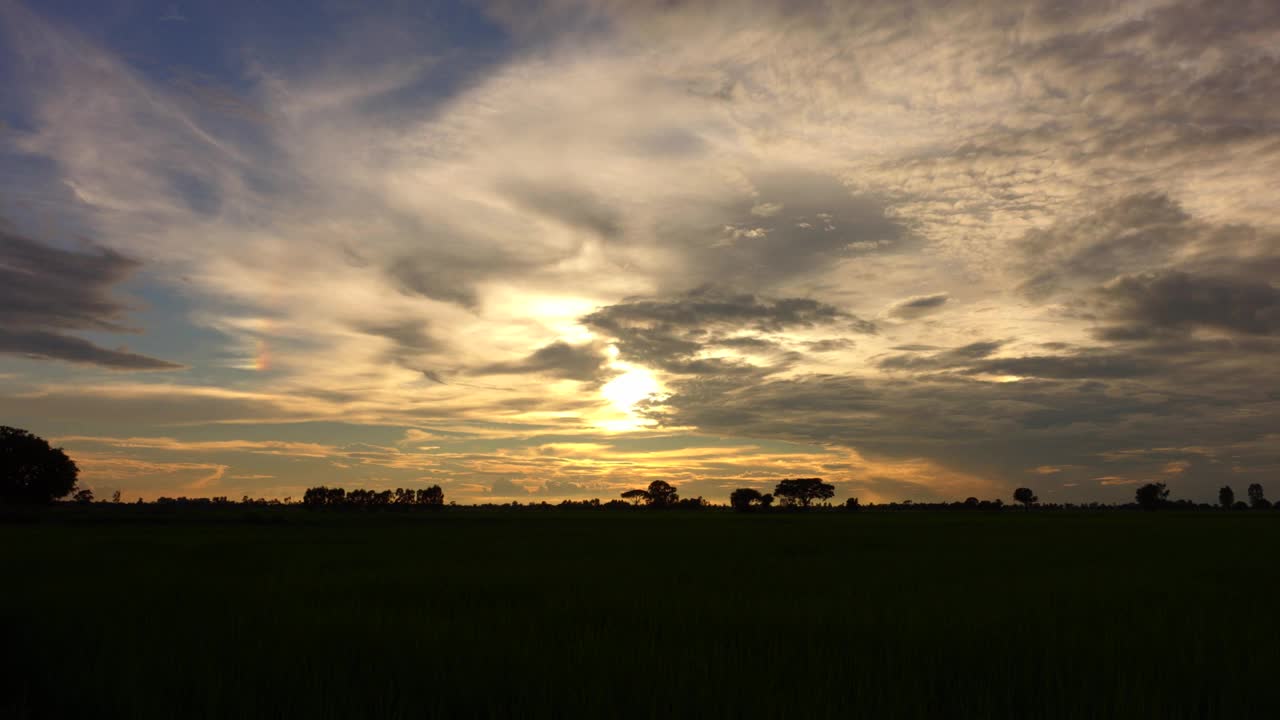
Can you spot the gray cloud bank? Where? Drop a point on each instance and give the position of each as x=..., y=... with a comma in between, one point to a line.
x=1182, y=368
x=46, y=291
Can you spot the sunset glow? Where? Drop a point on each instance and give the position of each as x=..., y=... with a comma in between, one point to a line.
x=554, y=250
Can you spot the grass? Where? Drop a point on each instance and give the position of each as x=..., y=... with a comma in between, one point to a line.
x=467, y=613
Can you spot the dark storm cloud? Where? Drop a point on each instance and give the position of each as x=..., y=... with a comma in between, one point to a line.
x=669, y=334
x=45, y=291
x=585, y=363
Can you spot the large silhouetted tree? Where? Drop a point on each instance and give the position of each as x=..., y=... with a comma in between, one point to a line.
x=662, y=494
x=1026, y=497
x=431, y=497
x=803, y=491
x=1152, y=496
x=31, y=471
x=1226, y=497
x=1257, y=499
x=744, y=499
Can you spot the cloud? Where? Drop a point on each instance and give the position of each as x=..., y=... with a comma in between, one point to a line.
x=680, y=334
x=964, y=355
x=988, y=429
x=575, y=208
x=45, y=291
x=54, y=346
x=917, y=306
x=503, y=487
x=1178, y=301
x=584, y=363
x=266, y=447
x=1087, y=365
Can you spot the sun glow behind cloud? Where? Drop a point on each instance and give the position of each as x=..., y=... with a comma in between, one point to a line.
x=634, y=385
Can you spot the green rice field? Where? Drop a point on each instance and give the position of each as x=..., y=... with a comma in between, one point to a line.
x=116, y=612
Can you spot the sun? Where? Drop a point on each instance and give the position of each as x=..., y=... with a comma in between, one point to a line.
x=624, y=392
x=633, y=385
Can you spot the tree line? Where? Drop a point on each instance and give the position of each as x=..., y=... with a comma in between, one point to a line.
x=431, y=497
x=1155, y=496
x=33, y=472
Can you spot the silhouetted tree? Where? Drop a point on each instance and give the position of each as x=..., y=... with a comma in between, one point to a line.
x=1257, y=499
x=324, y=496
x=1226, y=497
x=1152, y=496
x=803, y=491
x=1026, y=497
x=743, y=498
x=31, y=471
x=659, y=494
x=115, y=497
x=636, y=496
x=431, y=497
x=84, y=497
x=749, y=499
x=852, y=504
x=662, y=494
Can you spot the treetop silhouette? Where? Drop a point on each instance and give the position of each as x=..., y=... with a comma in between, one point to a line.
x=802, y=492
x=660, y=493
x=1152, y=496
x=1026, y=497
x=31, y=471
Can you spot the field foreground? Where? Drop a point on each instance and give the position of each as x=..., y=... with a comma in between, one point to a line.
x=461, y=613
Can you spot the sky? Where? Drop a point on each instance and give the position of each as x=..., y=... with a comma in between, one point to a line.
x=554, y=250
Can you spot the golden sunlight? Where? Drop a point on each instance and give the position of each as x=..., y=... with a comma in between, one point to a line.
x=624, y=392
